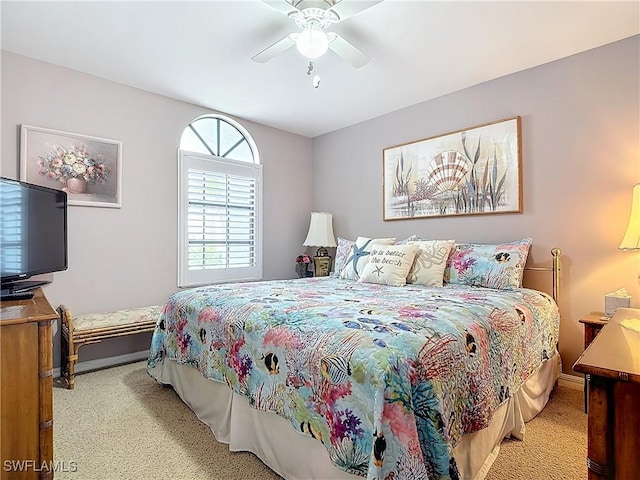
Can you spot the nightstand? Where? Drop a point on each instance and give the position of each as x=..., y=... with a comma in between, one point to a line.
x=593, y=323
x=612, y=365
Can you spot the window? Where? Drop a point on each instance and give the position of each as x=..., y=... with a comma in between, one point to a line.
x=220, y=197
x=12, y=229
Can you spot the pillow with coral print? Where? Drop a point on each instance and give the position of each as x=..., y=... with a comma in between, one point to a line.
x=431, y=260
x=359, y=256
x=342, y=254
x=498, y=266
x=389, y=264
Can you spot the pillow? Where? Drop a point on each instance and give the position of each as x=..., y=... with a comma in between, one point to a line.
x=359, y=256
x=344, y=249
x=389, y=264
x=431, y=260
x=494, y=266
x=342, y=254
x=404, y=241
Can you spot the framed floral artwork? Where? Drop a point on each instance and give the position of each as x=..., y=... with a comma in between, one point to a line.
x=473, y=171
x=88, y=168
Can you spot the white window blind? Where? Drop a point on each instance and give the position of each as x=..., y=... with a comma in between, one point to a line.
x=220, y=220
x=12, y=229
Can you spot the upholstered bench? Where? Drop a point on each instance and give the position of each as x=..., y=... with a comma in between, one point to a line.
x=95, y=327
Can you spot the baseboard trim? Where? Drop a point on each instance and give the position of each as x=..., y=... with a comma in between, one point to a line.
x=572, y=381
x=100, y=363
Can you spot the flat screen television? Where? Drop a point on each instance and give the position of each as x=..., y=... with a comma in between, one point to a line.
x=33, y=233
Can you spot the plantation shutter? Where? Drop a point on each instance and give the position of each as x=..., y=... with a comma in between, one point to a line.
x=220, y=218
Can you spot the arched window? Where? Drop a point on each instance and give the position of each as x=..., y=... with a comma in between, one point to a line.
x=220, y=203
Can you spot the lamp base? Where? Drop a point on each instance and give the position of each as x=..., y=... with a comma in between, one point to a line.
x=322, y=252
x=322, y=265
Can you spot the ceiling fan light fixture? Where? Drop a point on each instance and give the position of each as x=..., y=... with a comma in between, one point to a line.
x=312, y=42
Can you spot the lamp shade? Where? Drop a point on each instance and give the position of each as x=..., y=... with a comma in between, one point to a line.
x=631, y=239
x=320, y=231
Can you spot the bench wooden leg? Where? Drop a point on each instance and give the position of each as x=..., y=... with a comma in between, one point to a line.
x=67, y=350
x=71, y=368
x=64, y=359
x=69, y=357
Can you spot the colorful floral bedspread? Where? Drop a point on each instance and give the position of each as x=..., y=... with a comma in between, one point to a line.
x=387, y=378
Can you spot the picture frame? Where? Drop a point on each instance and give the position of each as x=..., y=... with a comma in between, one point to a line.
x=88, y=168
x=474, y=171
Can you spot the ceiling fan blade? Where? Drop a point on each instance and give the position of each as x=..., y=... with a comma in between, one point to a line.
x=354, y=56
x=275, y=49
x=345, y=9
x=282, y=6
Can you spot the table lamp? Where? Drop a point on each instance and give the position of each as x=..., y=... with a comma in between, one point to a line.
x=631, y=239
x=321, y=235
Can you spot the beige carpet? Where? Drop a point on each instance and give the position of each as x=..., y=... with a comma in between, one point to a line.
x=119, y=424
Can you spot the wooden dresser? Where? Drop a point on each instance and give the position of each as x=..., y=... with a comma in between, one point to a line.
x=612, y=365
x=26, y=383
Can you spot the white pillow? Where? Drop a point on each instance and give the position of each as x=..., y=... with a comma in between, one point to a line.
x=430, y=263
x=359, y=256
x=389, y=265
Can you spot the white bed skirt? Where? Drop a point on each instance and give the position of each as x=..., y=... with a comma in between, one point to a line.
x=293, y=455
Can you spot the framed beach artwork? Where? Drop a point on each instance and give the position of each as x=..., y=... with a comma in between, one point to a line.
x=474, y=171
x=88, y=168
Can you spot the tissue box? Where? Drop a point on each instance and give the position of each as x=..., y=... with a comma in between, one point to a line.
x=612, y=303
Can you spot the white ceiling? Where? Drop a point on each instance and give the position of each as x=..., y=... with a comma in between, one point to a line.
x=200, y=52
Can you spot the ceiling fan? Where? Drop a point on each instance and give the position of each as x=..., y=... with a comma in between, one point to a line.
x=314, y=19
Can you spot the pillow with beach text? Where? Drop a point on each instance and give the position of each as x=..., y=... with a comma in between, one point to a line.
x=359, y=256
x=389, y=264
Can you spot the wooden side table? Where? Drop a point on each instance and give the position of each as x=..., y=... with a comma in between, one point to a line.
x=593, y=323
x=612, y=363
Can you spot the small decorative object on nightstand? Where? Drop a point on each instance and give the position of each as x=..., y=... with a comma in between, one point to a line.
x=322, y=265
x=615, y=300
x=303, y=261
x=321, y=235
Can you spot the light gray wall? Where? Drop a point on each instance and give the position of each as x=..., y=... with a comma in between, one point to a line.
x=581, y=157
x=126, y=257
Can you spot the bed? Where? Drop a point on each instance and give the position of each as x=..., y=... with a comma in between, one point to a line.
x=331, y=377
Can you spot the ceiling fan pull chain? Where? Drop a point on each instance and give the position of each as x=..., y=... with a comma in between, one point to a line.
x=316, y=79
x=313, y=65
